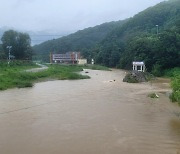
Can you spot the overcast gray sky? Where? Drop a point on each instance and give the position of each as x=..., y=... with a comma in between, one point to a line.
x=66, y=15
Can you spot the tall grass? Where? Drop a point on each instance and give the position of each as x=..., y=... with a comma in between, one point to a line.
x=175, y=96
x=175, y=83
x=14, y=75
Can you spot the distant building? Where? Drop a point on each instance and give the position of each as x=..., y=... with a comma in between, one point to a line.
x=82, y=61
x=139, y=66
x=67, y=58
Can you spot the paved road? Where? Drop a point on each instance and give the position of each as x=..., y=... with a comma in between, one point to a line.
x=42, y=67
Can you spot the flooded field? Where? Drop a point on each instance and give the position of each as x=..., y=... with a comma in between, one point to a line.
x=101, y=115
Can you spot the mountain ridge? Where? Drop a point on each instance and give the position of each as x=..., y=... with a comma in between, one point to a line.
x=141, y=37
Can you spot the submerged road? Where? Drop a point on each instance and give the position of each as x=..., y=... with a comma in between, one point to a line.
x=101, y=115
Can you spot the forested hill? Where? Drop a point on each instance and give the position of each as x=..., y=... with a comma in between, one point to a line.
x=151, y=36
x=81, y=40
x=164, y=14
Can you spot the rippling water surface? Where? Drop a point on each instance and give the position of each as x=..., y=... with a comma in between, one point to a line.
x=94, y=116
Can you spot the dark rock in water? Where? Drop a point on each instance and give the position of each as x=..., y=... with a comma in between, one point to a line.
x=153, y=95
x=136, y=77
x=86, y=72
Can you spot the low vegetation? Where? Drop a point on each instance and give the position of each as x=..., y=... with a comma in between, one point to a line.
x=14, y=74
x=11, y=75
x=175, y=83
x=175, y=96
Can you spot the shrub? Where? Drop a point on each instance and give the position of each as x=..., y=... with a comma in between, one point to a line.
x=157, y=70
x=175, y=96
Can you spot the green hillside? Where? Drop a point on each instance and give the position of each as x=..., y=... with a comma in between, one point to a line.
x=79, y=41
x=152, y=35
x=138, y=40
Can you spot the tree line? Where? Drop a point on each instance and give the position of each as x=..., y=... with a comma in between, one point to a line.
x=18, y=44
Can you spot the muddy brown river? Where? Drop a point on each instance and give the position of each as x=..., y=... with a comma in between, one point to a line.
x=93, y=116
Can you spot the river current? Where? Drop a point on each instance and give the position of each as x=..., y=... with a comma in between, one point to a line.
x=101, y=115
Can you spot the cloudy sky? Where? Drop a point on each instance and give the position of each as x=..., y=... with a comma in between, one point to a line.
x=64, y=16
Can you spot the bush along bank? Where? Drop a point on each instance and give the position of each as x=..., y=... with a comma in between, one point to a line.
x=175, y=96
x=175, y=83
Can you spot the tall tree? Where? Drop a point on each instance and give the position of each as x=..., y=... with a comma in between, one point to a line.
x=2, y=54
x=20, y=42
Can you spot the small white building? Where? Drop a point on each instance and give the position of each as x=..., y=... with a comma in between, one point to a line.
x=139, y=66
x=92, y=61
x=82, y=61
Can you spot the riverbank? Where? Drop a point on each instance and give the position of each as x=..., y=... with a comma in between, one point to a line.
x=25, y=75
x=174, y=74
x=21, y=75
x=11, y=75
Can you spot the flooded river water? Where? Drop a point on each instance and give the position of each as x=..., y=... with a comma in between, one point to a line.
x=94, y=116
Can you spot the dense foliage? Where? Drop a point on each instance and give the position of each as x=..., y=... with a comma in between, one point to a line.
x=175, y=97
x=2, y=54
x=152, y=36
x=20, y=43
x=158, y=51
x=175, y=83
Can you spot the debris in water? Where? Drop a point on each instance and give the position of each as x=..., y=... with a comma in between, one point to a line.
x=153, y=95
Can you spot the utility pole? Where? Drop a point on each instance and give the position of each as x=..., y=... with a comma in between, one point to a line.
x=9, y=58
x=157, y=27
x=51, y=57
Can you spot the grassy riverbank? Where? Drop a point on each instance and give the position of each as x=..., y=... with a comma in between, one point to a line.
x=175, y=83
x=14, y=75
